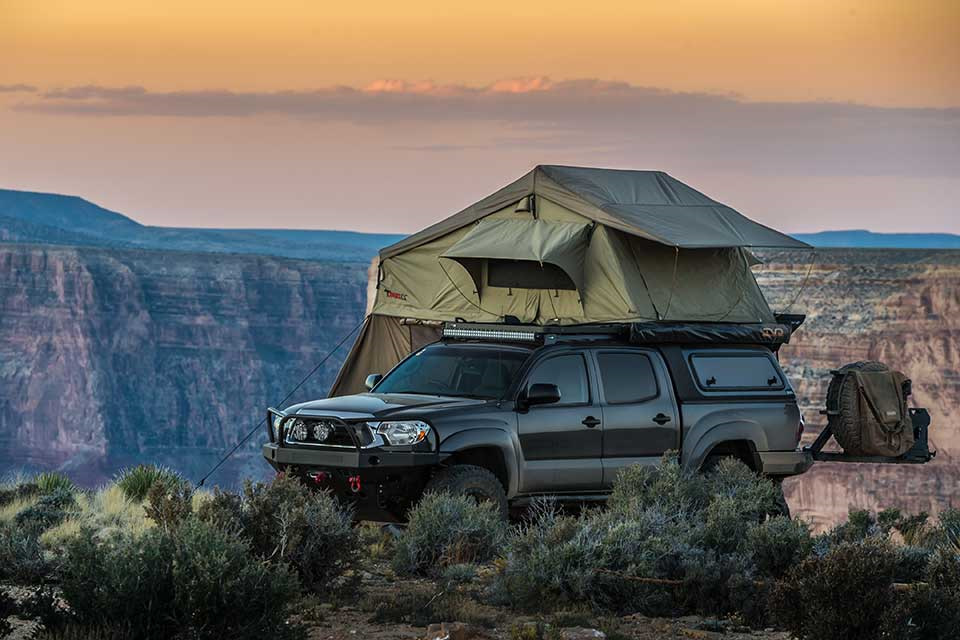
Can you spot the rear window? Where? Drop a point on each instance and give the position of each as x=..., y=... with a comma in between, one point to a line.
x=740, y=372
x=627, y=377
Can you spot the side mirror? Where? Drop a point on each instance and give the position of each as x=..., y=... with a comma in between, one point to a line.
x=542, y=393
x=372, y=380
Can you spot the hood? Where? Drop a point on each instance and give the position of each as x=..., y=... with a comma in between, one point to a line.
x=368, y=406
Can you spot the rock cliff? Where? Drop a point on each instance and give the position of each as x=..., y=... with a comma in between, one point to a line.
x=111, y=357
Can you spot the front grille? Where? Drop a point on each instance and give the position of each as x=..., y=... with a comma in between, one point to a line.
x=322, y=432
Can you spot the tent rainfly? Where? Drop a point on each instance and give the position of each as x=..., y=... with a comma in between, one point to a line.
x=566, y=245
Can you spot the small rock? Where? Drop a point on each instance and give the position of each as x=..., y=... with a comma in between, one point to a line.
x=452, y=631
x=581, y=633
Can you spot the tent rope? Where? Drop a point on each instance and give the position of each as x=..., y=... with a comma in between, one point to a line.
x=673, y=281
x=803, y=285
x=285, y=398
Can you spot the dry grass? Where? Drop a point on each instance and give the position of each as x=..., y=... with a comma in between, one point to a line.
x=105, y=511
x=10, y=510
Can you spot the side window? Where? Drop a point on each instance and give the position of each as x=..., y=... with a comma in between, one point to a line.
x=569, y=373
x=627, y=377
x=750, y=371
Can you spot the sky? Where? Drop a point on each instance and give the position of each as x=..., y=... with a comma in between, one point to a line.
x=387, y=116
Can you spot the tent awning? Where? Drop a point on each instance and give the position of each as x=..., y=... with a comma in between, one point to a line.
x=530, y=254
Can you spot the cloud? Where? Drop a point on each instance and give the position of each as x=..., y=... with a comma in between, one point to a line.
x=721, y=131
x=17, y=88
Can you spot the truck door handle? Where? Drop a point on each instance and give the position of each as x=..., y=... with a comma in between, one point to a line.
x=661, y=418
x=590, y=421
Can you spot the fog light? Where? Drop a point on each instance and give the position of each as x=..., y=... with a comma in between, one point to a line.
x=298, y=431
x=322, y=431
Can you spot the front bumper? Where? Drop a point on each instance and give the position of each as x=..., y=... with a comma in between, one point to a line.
x=379, y=485
x=785, y=463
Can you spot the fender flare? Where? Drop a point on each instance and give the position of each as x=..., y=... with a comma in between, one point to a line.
x=486, y=437
x=695, y=451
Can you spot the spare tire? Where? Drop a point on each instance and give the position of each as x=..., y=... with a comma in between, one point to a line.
x=843, y=406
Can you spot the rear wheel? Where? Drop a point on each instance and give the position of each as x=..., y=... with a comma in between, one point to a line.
x=473, y=481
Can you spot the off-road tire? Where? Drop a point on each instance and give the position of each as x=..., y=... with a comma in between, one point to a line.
x=843, y=395
x=470, y=480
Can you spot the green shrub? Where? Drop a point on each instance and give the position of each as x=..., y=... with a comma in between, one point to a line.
x=8, y=607
x=848, y=593
x=777, y=544
x=22, y=559
x=18, y=492
x=662, y=523
x=53, y=482
x=223, y=510
x=169, y=503
x=446, y=529
x=49, y=510
x=286, y=521
x=136, y=482
x=190, y=581
x=935, y=604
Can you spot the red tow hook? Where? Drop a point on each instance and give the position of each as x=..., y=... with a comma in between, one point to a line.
x=354, y=483
x=320, y=477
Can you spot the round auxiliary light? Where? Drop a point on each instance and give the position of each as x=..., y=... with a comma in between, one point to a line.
x=322, y=431
x=298, y=431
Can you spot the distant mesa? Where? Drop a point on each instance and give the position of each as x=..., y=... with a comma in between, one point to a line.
x=863, y=239
x=47, y=218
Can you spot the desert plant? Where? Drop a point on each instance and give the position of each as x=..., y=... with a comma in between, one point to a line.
x=847, y=593
x=49, y=510
x=169, y=503
x=103, y=512
x=777, y=544
x=17, y=491
x=445, y=529
x=286, y=521
x=222, y=509
x=52, y=481
x=190, y=581
x=22, y=559
x=136, y=482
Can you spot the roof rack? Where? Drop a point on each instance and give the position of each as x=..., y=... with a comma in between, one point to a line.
x=769, y=334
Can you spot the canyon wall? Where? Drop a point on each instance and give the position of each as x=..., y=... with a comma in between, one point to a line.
x=113, y=357
x=898, y=306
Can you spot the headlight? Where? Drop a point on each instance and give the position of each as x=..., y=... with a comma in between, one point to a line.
x=407, y=432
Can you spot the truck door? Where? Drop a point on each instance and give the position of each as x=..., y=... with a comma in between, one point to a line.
x=640, y=416
x=562, y=443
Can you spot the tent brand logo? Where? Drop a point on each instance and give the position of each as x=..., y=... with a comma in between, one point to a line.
x=396, y=294
x=772, y=333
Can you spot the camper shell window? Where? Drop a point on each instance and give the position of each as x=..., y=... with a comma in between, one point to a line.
x=736, y=372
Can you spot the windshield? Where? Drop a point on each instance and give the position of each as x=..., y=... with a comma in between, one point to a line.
x=468, y=371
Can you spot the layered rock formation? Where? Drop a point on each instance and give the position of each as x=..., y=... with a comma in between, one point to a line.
x=901, y=307
x=112, y=357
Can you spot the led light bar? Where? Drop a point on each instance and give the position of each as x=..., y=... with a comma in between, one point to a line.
x=489, y=334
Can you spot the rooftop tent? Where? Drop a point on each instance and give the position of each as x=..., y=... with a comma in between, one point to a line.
x=567, y=245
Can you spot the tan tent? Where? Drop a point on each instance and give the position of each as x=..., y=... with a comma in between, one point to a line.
x=566, y=245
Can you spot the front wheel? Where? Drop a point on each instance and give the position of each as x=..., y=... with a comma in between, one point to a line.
x=473, y=481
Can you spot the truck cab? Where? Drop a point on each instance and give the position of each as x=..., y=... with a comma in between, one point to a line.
x=510, y=413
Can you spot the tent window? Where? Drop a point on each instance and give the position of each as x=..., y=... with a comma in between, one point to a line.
x=527, y=274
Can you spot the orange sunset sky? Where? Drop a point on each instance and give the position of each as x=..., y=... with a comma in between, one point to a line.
x=385, y=116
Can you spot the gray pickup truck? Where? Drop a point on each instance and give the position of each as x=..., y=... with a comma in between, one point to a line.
x=508, y=413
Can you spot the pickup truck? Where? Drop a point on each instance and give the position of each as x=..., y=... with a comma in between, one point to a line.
x=505, y=414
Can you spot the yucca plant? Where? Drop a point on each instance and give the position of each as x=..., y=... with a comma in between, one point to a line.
x=52, y=481
x=136, y=482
